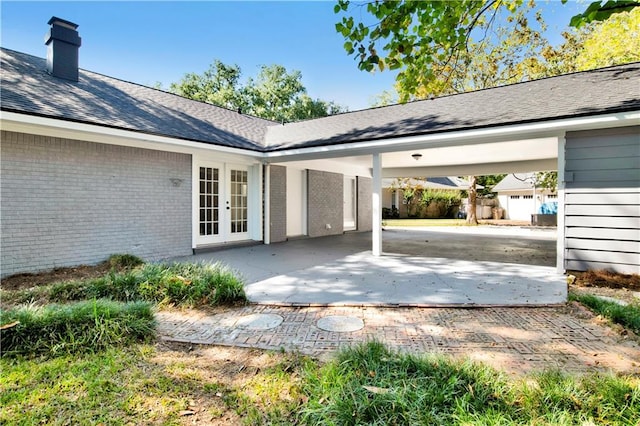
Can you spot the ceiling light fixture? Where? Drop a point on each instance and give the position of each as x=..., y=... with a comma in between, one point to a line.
x=416, y=156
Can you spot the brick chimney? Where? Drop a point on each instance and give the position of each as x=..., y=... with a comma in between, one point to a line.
x=63, y=43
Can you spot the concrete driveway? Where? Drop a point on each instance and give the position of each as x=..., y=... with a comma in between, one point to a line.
x=456, y=266
x=503, y=244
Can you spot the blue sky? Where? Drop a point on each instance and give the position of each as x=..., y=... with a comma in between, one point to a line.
x=148, y=42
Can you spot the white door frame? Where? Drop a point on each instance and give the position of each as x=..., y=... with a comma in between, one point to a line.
x=220, y=226
x=350, y=190
x=236, y=203
x=212, y=209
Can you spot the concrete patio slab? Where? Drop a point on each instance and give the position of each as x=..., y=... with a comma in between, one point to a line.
x=340, y=270
x=364, y=280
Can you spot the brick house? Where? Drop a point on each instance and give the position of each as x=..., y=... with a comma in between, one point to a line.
x=92, y=165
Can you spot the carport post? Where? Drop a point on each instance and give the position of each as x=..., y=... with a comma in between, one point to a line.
x=376, y=206
x=560, y=229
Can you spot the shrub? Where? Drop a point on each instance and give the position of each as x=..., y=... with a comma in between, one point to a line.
x=87, y=326
x=177, y=284
x=190, y=284
x=124, y=261
x=445, y=200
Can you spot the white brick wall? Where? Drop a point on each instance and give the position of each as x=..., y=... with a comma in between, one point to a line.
x=278, y=209
x=364, y=204
x=66, y=202
x=326, y=203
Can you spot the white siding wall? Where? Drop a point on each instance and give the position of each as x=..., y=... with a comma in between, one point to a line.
x=602, y=200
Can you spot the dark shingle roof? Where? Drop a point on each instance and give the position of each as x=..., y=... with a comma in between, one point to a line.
x=602, y=91
x=97, y=99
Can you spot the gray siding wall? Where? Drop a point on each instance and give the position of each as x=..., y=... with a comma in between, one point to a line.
x=364, y=204
x=278, y=204
x=602, y=200
x=68, y=202
x=326, y=203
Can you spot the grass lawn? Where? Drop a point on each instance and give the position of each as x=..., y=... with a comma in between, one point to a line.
x=144, y=384
x=424, y=222
x=443, y=222
x=83, y=352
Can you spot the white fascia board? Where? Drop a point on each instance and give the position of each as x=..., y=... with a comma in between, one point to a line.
x=471, y=169
x=43, y=126
x=330, y=165
x=544, y=129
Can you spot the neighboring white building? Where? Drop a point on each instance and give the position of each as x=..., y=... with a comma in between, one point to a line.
x=519, y=197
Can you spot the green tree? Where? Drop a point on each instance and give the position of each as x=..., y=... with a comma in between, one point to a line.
x=599, y=44
x=218, y=85
x=547, y=180
x=488, y=182
x=597, y=11
x=509, y=56
x=427, y=40
x=612, y=42
x=274, y=94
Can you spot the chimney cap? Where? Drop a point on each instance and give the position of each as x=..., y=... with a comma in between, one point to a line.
x=62, y=22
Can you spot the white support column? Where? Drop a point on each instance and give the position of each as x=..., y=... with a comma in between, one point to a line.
x=560, y=244
x=267, y=204
x=376, y=206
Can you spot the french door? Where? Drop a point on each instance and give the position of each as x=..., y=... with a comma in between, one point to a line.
x=221, y=201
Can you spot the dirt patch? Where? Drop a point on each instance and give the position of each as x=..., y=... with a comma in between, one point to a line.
x=228, y=369
x=607, y=279
x=74, y=273
x=623, y=287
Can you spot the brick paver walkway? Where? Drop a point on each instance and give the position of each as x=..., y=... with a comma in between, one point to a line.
x=517, y=340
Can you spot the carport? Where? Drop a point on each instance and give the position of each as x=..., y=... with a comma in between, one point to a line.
x=340, y=270
x=524, y=127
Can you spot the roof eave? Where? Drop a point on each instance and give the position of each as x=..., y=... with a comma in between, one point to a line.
x=64, y=128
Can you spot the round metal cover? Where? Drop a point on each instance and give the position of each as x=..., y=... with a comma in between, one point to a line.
x=340, y=323
x=259, y=321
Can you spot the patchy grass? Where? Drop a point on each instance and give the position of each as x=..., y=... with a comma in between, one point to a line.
x=149, y=385
x=371, y=385
x=367, y=384
x=424, y=222
x=447, y=222
x=87, y=326
x=627, y=316
x=181, y=284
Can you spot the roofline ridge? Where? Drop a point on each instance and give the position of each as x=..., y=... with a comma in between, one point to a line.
x=468, y=92
x=148, y=87
x=178, y=96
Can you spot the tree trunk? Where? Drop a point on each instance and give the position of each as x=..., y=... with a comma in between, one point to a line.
x=471, y=208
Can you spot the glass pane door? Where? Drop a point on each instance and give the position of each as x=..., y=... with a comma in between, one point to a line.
x=238, y=198
x=209, y=194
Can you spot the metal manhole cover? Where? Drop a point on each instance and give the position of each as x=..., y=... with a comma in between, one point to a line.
x=340, y=323
x=259, y=321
